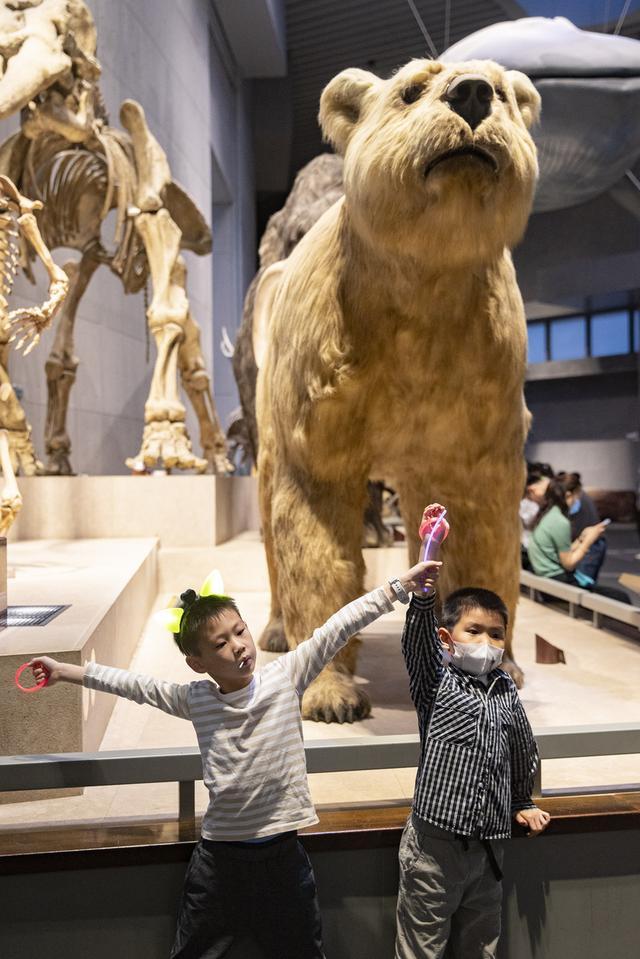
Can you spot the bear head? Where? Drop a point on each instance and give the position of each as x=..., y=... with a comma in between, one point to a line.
x=439, y=164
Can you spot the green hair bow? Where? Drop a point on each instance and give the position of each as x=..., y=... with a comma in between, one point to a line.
x=171, y=618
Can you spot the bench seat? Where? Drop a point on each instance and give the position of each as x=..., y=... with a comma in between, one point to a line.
x=576, y=597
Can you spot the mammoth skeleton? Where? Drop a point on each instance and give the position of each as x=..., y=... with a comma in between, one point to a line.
x=67, y=156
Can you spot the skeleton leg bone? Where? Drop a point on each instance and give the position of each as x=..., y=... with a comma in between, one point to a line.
x=29, y=323
x=10, y=498
x=61, y=369
x=197, y=385
x=165, y=439
x=14, y=421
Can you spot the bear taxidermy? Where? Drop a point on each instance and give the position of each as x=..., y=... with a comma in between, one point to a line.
x=394, y=345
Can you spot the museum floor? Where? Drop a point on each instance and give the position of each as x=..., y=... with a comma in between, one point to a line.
x=597, y=684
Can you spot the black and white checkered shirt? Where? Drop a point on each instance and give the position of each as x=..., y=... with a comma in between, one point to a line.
x=478, y=757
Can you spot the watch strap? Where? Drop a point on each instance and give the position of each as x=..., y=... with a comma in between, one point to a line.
x=399, y=590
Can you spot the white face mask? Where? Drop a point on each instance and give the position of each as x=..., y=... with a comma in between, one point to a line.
x=475, y=658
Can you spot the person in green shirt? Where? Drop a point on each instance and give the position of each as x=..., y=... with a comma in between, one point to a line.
x=553, y=555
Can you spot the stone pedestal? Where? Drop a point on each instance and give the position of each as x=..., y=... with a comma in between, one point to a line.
x=179, y=510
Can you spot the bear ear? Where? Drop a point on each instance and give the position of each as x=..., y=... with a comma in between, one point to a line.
x=341, y=103
x=527, y=97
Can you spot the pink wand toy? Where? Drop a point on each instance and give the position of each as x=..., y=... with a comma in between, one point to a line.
x=434, y=529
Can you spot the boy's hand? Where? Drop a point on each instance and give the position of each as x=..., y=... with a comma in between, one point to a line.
x=44, y=667
x=421, y=576
x=535, y=820
x=432, y=517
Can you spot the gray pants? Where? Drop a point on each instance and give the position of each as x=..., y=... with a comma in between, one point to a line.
x=449, y=901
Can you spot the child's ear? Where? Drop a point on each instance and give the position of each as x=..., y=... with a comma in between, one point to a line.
x=195, y=663
x=341, y=103
x=446, y=639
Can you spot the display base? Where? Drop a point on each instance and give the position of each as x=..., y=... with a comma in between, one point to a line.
x=110, y=586
x=179, y=510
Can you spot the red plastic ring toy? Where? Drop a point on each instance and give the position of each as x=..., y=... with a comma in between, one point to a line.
x=28, y=689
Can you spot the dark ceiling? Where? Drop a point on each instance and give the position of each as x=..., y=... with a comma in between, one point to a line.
x=589, y=251
x=326, y=36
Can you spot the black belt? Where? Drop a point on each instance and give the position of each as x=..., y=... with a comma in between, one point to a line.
x=493, y=862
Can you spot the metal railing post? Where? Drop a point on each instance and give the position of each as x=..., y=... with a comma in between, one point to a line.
x=186, y=802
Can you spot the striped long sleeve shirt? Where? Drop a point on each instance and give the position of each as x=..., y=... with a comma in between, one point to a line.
x=251, y=740
x=478, y=757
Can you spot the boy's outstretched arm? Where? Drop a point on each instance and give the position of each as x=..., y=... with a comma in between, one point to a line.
x=524, y=763
x=171, y=698
x=305, y=662
x=45, y=667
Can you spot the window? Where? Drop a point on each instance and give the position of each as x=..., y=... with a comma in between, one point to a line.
x=537, y=342
x=610, y=333
x=568, y=338
x=598, y=333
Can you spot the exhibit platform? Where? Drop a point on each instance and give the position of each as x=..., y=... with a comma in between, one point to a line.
x=597, y=684
x=108, y=587
x=179, y=510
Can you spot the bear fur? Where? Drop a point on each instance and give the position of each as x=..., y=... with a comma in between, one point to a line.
x=316, y=187
x=396, y=347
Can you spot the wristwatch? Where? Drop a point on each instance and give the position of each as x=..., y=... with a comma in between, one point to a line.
x=399, y=590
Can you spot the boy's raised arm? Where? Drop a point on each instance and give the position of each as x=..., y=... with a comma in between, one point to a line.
x=172, y=698
x=422, y=650
x=306, y=661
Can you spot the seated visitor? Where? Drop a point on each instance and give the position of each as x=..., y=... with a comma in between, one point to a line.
x=538, y=476
x=248, y=872
x=583, y=513
x=478, y=761
x=554, y=555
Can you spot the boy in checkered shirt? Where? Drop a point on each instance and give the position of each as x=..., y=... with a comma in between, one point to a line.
x=478, y=760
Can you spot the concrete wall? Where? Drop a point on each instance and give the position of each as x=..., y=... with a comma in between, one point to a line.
x=172, y=56
x=566, y=897
x=580, y=424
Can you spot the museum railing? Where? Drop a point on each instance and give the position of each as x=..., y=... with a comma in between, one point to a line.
x=183, y=765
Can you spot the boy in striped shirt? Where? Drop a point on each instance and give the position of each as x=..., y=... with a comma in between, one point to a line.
x=477, y=765
x=248, y=873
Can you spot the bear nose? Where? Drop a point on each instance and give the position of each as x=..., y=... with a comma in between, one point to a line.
x=470, y=96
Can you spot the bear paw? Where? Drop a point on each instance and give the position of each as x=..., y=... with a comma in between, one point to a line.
x=273, y=639
x=511, y=667
x=335, y=698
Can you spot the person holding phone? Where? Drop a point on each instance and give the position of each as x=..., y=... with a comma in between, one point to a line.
x=552, y=552
x=583, y=514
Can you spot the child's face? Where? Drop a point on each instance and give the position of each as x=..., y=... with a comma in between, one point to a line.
x=226, y=652
x=475, y=626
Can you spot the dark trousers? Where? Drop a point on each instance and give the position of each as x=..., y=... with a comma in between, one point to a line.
x=266, y=890
x=594, y=559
